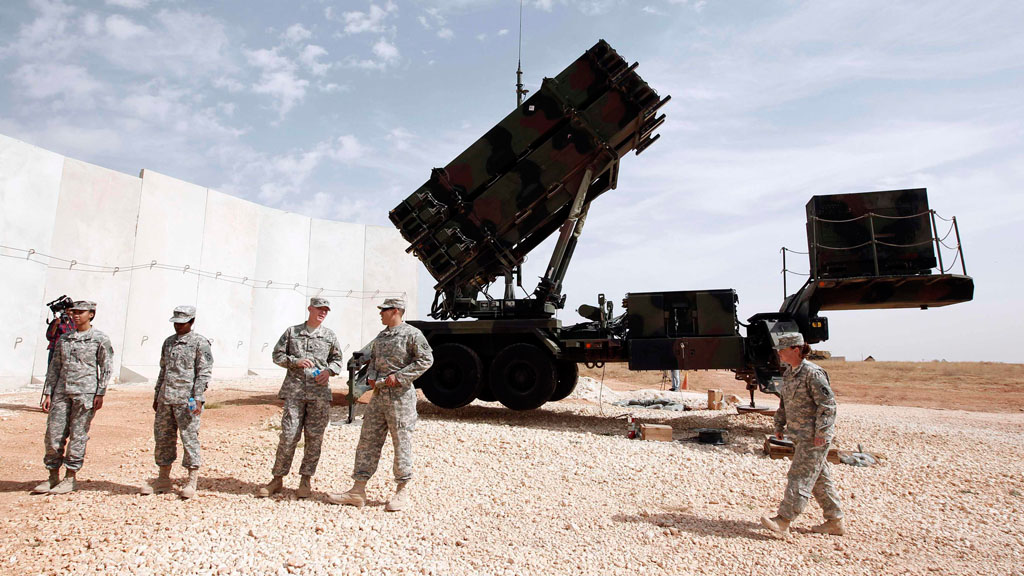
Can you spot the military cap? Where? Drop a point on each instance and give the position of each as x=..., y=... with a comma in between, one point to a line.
x=393, y=303
x=789, y=339
x=83, y=305
x=183, y=314
x=318, y=302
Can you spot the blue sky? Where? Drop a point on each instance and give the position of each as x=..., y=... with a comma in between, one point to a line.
x=339, y=110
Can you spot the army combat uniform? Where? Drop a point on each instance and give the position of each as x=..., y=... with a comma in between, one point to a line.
x=403, y=351
x=306, y=403
x=186, y=363
x=79, y=372
x=808, y=410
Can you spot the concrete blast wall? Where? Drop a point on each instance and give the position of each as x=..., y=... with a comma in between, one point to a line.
x=248, y=269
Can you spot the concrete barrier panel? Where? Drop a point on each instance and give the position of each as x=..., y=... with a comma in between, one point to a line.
x=283, y=259
x=29, y=188
x=386, y=267
x=170, y=232
x=224, y=306
x=336, y=265
x=95, y=225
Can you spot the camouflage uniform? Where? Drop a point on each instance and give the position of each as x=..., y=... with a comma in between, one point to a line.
x=79, y=372
x=186, y=363
x=306, y=403
x=404, y=352
x=808, y=409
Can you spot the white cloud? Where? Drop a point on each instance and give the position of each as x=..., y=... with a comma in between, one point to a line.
x=445, y=34
x=122, y=28
x=371, y=21
x=503, y=32
x=481, y=37
x=296, y=33
x=91, y=24
x=386, y=51
x=229, y=84
x=310, y=56
x=48, y=80
x=129, y=4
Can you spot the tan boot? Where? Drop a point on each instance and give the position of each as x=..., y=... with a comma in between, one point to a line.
x=305, y=489
x=160, y=485
x=400, y=500
x=832, y=526
x=356, y=495
x=50, y=482
x=272, y=487
x=776, y=524
x=68, y=484
x=189, y=491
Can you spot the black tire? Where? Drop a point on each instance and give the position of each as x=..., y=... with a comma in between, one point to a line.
x=455, y=378
x=523, y=376
x=568, y=376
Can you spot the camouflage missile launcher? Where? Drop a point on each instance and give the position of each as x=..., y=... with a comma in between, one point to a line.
x=477, y=218
x=538, y=171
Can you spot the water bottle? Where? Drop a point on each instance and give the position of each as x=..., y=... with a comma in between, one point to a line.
x=191, y=404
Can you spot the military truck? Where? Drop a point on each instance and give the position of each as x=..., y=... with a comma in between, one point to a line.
x=538, y=171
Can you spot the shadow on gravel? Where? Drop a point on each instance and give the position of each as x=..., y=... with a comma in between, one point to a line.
x=699, y=525
x=264, y=399
x=611, y=424
x=21, y=408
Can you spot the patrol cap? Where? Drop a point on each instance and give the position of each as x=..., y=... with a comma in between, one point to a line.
x=83, y=305
x=183, y=314
x=393, y=303
x=318, y=302
x=789, y=339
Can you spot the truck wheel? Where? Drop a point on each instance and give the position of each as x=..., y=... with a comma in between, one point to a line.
x=523, y=376
x=568, y=375
x=454, y=379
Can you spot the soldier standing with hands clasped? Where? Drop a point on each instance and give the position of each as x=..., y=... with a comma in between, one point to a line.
x=808, y=411
x=312, y=355
x=76, y=381
x=186, y=363
x=396, y=357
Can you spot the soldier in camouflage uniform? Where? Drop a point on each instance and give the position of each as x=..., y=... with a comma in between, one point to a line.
x=396, y=358
x=186, y=363
x=76, y=381
x=312, y=355
x=808, y=411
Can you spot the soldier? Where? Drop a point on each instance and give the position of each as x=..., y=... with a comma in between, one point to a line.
x=312, y=355
x=76, y=381
x=186, y=363
x=808, y=411
x=396, y=357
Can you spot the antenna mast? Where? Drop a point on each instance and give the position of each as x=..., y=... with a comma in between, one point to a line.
x=520, y=91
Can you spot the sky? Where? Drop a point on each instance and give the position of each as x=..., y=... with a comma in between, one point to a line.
x=339, y=110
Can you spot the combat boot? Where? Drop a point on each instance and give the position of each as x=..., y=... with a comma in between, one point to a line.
x=68, y=484
x=356, y=495
x=776, y=524
x=305, y=490
x=833, y=526
x=272, y=487
x=400, y=500
x=189, y=490
x=52, y=481
x=161, y=484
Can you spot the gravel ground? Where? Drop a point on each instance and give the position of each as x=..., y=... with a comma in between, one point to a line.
x=554, y=491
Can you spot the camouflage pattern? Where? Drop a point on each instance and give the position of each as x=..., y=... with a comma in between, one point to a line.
x=82, y=364
x=393, y=303
x=788, y=340
x=183, y=314
x=318, y=302
x=482, y=213
x=83, y=305
x=307, y=404
x=186, y=363
x=403, y=351
x=298, y=343
x=67, y=430
x=301, y=416
x=170, y=421
x=808, y=410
